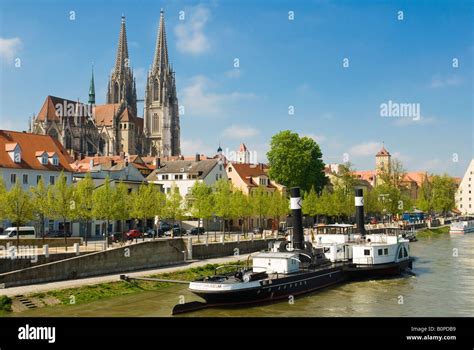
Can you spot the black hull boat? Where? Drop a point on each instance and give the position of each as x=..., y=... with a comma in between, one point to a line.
x=230, y=290
x=296, y=268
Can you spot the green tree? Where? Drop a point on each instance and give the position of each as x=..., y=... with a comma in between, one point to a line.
x=200, y=202
x=83, y=194
x=222, y=197
x=279, y=206
x=260, y=199
x=443, y=192
x=121, y=204
x=39, y=197
x=241, y=208
x=18, y=208
x=144, y=203
x=3, y=197
x=310, y=203
x=103, y=209
x=174, y=205
x=296, y=161
x=61, y=202
x=424, y=200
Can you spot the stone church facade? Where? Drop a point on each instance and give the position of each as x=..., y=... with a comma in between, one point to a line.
x=114, y=128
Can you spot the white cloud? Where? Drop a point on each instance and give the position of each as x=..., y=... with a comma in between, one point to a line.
x=239, y=132
x=190, y=147
x=199, y=101
x=431, y=165
x=190, y=32
x=317, y=138
x=439, y=81
x=365, y=149
x=9, y=48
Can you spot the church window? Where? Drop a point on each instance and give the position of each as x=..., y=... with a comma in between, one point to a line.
x=120, y=126
x=68, y=141
x=53, y=133
x=155, y=90
x=125, y=126
x=155, y=123
x=116, y=93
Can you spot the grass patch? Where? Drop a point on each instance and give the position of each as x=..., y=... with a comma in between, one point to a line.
x=5, y=304
x=95, y=292
x=433, y=232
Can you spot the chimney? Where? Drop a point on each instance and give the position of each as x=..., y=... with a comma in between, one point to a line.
x=198, y=157
x=295, y=205
x=359, y=204
x=158, y=162
x=91, y=163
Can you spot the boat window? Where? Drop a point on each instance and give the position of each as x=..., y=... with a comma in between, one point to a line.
x=405, y=253
x=366, y=251
x=327, y=249
x=385, y=251
x=380, y=251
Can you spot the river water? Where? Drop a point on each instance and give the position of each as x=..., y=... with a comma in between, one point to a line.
x=442, y=284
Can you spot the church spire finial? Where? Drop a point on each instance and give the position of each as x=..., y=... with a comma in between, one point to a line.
x=92, y=88
x=121, y=61
x=160, y=61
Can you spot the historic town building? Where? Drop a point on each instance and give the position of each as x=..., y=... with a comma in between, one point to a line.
x=114, y=128
x=464, y=193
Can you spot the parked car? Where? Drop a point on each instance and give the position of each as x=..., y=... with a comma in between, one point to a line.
x=178, y=230
x=150, y=233
x=132, y=234
x=257, y=230
x=59, y=233
x=117, y=237
x=195, y=231
x=25, y=232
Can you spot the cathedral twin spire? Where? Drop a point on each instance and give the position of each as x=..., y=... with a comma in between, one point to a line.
x=160, y=61
x=122, y=60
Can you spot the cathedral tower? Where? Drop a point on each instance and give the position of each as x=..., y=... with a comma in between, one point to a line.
x=161, y=112
x=121, y=83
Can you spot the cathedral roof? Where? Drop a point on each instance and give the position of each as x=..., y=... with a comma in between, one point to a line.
x=48, y=110
x=104, y=115
x=30, y=145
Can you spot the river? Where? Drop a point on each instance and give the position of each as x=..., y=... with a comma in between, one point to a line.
x=442, y=284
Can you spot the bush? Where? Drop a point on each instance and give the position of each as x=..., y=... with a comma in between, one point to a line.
x=5, y=303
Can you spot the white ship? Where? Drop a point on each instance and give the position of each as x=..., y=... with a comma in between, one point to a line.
x=461, y=227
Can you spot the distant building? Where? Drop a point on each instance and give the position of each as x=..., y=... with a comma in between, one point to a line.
x=464, y=192
x=185, y=173
x=26, y=158
x=248, y=177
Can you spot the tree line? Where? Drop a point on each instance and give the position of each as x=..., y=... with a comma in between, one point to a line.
x=83, y=202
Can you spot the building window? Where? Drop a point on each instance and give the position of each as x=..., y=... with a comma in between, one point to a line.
x=38, y=179
x=220, y=167
x=51, y=180
x=55, y=161
x=13, y=178
x=25, y=179
x=124, y=126
x=164, y=177
x=385, y=251
x=366, y=252
x=229, y=169
x=44, y=159
x=380, y=251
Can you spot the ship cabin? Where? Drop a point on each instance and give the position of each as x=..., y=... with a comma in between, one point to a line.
x=380, y=249
x=276, y=262
x=335, y=239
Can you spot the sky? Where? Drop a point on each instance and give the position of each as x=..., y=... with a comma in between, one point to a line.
x=246, y=70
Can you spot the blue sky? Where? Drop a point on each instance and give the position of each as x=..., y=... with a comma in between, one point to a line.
x=282, y=63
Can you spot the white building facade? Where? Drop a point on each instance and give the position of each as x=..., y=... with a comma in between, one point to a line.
x=464, y=193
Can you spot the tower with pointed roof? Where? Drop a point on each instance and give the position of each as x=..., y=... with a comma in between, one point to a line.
x=121, y=87
x=92, y=89
x=383, y=160
x=161, y=113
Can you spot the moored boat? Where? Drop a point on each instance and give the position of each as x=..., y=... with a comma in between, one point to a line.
x=462, y=226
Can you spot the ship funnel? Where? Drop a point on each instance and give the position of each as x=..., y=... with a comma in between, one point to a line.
x=295, y=206
x=359, y=204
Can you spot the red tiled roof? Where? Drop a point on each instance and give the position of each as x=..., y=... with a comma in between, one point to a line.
x=48, y=110
x=104, y=114
x=247, y=171
x=30, y=145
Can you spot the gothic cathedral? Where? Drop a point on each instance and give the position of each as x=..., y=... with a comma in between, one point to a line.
x=114, y=128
